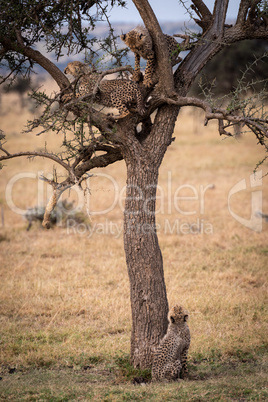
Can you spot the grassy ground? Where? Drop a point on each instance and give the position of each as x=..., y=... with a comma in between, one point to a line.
x=64, y=297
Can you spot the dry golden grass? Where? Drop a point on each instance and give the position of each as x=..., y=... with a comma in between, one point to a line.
x=64, y=297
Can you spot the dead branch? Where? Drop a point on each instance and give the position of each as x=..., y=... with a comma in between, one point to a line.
x=203, y=13
x=219, y=16
x=51, y=205
x=78, y=175
x=217, y=37
x=201, y=9
x=33, y=154
x=185, y=44
x=221, y=115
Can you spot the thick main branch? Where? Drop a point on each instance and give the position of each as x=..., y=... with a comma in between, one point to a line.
x=20, y=47
x=217, y=37
x=162, y=55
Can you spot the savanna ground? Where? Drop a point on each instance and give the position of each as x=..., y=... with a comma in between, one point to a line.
x=64, y=297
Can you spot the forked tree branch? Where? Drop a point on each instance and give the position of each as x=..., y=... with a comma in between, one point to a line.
x=261, y=125
x=81, y=165
x=203, y=11
x=58, y=188
x=217, y=37
x=242, y=12
x=205, y=16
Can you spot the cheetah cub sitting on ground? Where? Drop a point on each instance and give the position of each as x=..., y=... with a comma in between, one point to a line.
x=140, y=42
x=170, y=357
x=121, y=94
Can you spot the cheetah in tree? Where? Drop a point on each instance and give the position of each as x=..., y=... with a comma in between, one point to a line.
x=140, y=42
x=170, y=357
x=119, y=93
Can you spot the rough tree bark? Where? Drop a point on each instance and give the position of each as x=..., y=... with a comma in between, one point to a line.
x=144, y=261
x=149, y=303
x=148, y=296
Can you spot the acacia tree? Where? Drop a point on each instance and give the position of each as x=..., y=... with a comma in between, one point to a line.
x=97, y=139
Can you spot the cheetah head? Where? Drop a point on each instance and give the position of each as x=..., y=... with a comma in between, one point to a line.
x=75, y=68
x=132, y=40
x=178, y=315
x=137, y=38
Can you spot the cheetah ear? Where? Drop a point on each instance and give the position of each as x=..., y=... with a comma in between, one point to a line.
x=172, y=319
x=186, y=317
x=141, y=35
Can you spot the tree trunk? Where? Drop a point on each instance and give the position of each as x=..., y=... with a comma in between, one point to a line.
x=149, y=303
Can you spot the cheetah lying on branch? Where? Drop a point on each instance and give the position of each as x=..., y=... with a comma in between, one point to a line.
x=121, y=94
x=170, y=357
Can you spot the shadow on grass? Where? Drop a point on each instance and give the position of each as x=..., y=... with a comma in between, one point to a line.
x=240, y=377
